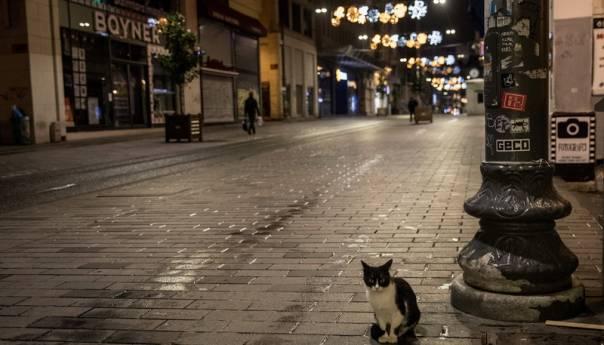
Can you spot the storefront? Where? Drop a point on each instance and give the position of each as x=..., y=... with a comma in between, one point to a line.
x=111, y=79
x=228, y=74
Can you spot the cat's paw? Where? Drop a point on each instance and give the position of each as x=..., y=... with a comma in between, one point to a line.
x=384, y=339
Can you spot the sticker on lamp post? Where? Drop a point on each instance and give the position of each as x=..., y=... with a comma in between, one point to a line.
x=573, y=139
x=513, y=145
x=514, y=101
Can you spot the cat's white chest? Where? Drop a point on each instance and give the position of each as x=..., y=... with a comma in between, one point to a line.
x=384, y=305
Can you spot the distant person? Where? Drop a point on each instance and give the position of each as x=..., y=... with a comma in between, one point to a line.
x=412, y=105
x=251, y=109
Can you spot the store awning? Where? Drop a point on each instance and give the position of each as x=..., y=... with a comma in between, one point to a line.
x=348, y=57
x=225, y=14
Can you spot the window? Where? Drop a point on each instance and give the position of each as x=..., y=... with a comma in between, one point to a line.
x=246, y=54
x=480, y=98
x=307, y=23
x=284, y=12
x=296, y=18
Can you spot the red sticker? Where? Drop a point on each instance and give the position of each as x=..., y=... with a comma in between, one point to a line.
x=514, y=101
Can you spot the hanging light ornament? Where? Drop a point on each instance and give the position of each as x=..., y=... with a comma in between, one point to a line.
x=339, y=12
x=352, y=14
x=415, y=40
x=392, y=13
x=373, y=15
x=400, y=10
x=418, y=10
x=422, y=38
x=384, y=17
x=435, y=38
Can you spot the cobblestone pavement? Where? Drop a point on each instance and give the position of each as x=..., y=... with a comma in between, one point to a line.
x=264, y=247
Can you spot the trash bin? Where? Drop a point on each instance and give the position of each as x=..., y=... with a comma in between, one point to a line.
x=20, y=126
x=423, y=114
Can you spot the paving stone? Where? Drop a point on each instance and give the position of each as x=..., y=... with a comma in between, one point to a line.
x=146, y=337
x=261, y=245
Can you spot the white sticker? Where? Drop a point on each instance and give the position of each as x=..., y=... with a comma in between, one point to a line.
x=513, y=145
x=522, y=27
x=520, y=126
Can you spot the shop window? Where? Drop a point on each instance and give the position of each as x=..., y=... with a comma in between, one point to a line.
x=296, y=17
x=86, y=78
x=130, y=52
x=307, y=17
x=216, y=41
x=299, y=99
x=246, y=54
x=163, y=94
x=310, y=100
x=286, y=97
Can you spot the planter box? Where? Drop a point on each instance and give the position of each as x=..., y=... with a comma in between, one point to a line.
x=423, y=114
x=183, y=127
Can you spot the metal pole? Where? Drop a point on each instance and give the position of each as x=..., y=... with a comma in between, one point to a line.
x=516, y=268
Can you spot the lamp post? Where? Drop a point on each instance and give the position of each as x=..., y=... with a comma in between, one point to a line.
x=516, y=268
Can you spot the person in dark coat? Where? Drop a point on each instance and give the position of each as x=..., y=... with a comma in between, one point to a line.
x=412, y=105
x=251, y=109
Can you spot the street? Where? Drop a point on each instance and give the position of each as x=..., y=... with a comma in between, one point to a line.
x=254, y=241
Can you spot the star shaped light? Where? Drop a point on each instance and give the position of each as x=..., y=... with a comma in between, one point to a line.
x=435, y=38
x=418, y=10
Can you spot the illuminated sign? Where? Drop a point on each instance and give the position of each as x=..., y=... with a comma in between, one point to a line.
x=125, y=28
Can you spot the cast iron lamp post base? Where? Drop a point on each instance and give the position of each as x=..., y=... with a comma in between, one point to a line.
x=516, y=268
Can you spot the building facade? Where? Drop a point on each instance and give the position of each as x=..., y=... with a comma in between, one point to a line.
x=578, y=68
x=288, y=60
x=87, y=65
x=231, y=63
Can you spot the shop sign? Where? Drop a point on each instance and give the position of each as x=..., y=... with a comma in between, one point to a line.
x=573, y=138
x=125, y=28
x=598, y=60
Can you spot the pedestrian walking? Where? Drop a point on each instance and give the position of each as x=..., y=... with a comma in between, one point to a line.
x=412, y=105
x=251, y=109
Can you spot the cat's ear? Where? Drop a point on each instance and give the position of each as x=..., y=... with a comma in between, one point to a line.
x=365, y=266
x=387, y=265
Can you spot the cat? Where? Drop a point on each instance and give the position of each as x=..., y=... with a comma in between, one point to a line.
x=393, y=302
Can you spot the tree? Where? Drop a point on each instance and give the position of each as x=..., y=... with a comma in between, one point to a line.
x=182, y=62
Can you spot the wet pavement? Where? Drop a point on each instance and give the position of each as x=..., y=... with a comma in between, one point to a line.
x=259, y=241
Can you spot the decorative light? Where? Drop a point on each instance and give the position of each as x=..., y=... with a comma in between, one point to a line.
x=392, y=13
x=440, y=2
x=335, y=22
x=388, y=8
x=373, y=15
x=384, y=17
x=418, y=10
x=450, y=60
x=422, y=38
x=400, y=10
x=352, y=14
x=415, y=40
x=435, y=38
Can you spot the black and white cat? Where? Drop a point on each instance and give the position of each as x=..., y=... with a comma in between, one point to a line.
x=393, y=302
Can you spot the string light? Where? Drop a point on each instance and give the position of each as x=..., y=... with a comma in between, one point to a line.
x=415, y=40
x=391, y=14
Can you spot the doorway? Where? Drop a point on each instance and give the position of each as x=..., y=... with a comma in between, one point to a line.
x=130, y=95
